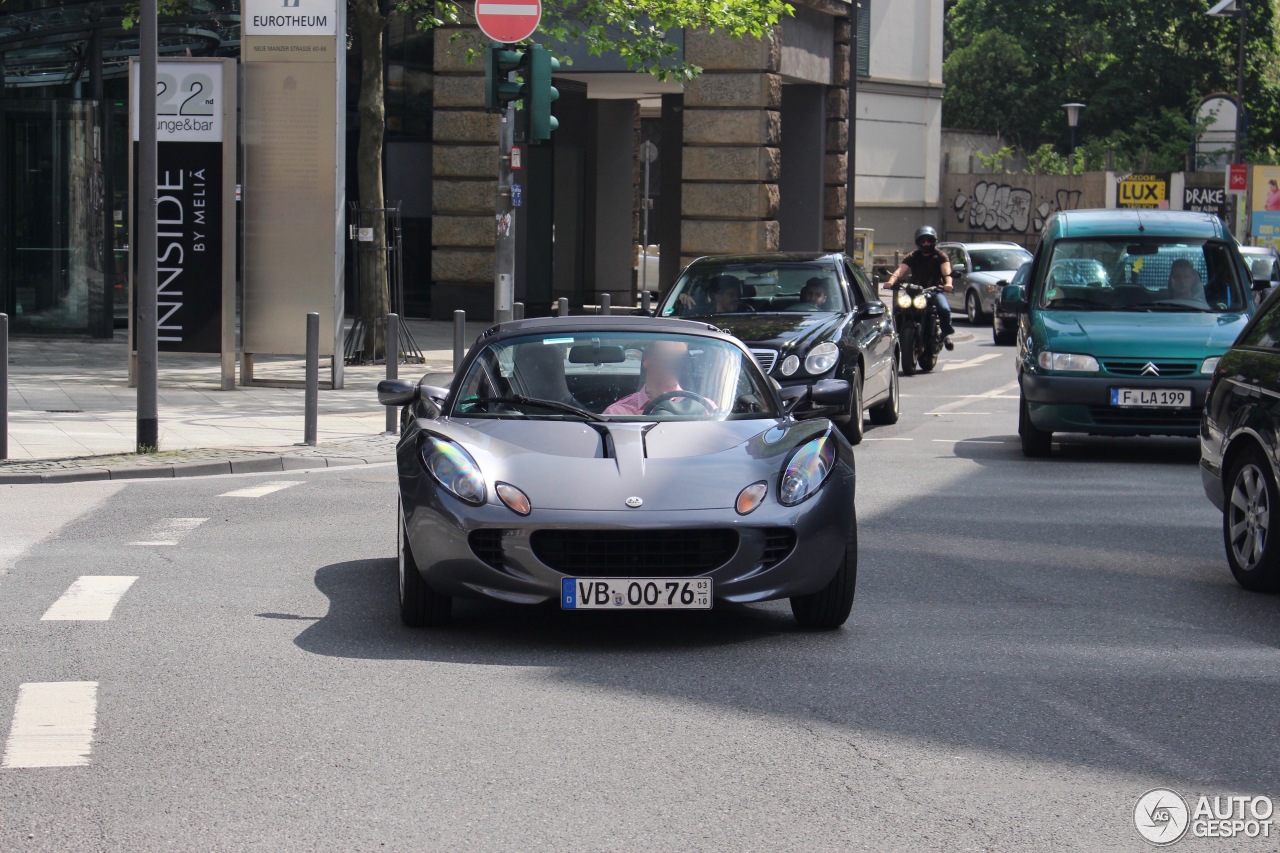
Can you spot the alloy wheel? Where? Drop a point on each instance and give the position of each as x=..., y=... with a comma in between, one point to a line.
x=1249, y=516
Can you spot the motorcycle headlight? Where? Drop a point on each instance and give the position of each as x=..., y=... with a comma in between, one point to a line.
x=807, y=470
x=790, y=365
x=1210, y=365
x=822, y=358
x=920, y=301
x=904, y=300
x=1068, y=361
x=453, y=468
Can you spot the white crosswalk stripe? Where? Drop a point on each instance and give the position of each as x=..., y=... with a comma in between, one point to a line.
x=259, y=491
x=91, y=598
x=53, y=724
x=168, y=531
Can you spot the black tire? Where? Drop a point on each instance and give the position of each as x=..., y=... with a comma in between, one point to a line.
x=829, y=608
x=928, y=357
x=1252, y=511
x=973, y=308
x=420, y=605
x=1003, y=337
x=883, y=414
x=853, y=427
x=907, y=356
x=1036, y=443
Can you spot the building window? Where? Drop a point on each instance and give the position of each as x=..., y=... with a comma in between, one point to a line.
x=863, y=11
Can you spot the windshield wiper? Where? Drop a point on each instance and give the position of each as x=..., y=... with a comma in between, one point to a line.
x=1165, y=306
x=553, y=405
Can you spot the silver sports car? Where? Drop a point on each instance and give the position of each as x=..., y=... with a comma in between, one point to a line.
x=621, y=463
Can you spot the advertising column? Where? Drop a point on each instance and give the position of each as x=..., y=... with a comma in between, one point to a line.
x=195, y=217
x=294, y=177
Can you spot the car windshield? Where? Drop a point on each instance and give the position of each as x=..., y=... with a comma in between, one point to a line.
x=1143, y=274
x=998, y=260
x=613, y=375
x=712, y=289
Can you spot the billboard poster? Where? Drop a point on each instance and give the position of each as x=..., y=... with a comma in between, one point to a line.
x=1206, y=200
x=1264, y=205
x=1143, y=191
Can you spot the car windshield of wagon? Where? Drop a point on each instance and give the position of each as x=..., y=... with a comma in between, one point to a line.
x=998, y=260
x=608, y=375
x=1143, y=274
x=711, y=289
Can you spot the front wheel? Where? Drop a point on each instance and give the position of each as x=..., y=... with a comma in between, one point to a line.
x=929, y=347
x=1252, y=510
x=883, y=414
x=420, y=605
x=973, y=308
x=829, y=608
x=908, y=353
x=1036, y=442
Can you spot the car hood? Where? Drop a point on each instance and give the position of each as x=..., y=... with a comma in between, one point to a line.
x=672, y=466
x=1127, y=334
x=792, y=331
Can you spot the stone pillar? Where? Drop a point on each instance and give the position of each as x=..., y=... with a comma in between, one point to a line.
x=732, y=129
x=464, y=182
x=836, y=202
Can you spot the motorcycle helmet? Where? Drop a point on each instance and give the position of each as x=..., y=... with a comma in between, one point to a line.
x=926, y=237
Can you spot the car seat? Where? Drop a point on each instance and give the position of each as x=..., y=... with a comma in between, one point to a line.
x=538, y=371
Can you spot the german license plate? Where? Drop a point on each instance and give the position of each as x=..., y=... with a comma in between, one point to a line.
x=1154, y=398
x=635, y=594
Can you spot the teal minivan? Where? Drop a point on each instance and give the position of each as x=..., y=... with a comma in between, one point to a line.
x=1121, y=321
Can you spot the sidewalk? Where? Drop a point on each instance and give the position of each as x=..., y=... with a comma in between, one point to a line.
x=69, y=398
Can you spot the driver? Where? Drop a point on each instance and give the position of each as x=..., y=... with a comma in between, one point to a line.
x=661, y=369
x=1184, y=282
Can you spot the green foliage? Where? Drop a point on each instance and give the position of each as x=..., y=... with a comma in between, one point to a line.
x=995, y=162
x=1140, y=66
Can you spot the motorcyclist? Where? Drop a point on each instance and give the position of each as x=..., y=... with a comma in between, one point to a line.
x=929, y=267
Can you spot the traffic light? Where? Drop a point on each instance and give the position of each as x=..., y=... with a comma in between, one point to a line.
x=533, y=65
x=498, y=90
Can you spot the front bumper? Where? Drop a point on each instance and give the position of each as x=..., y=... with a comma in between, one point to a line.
x=1083, y=404
x=506, y=566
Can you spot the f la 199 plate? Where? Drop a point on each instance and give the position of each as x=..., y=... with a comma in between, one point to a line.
x=635, y=594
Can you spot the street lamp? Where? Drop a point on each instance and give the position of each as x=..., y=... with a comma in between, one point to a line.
x=1236, y=9
x=1073, y=121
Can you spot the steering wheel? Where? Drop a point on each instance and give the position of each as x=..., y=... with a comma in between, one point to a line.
x=667, y=404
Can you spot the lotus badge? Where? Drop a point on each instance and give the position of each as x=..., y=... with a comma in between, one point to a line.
x=634, y=502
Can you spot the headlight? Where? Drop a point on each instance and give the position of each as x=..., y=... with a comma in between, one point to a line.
x=1210, y=364
x=904, y=300
x=454, y=469
x=515, y=500
x=751, y=497
x=822, y=358
x=1068, y=361
x=790, y=365
x=920, y=301
x=807, y=470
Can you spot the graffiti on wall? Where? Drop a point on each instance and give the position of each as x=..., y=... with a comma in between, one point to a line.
x=992, y=206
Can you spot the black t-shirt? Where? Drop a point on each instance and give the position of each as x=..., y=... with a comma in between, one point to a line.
x=926, y=266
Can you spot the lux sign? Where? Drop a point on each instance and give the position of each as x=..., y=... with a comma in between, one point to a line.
x=1143, y=191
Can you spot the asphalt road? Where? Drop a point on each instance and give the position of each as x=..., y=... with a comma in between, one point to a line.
x=1034, y=645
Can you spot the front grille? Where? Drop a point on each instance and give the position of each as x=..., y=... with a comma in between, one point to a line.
x=766, y=358
x=778, y=543
x=487, y=546
x=1136, y=366
x=634, y=553
x=1153, y=418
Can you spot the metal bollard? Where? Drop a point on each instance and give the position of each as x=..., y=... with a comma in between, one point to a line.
x=644, y=302
x=517, y=311
x=459, y=333
x=605, y=307
x=312, y=398
x=4, y=386
x=393, y=368
x=562, y=309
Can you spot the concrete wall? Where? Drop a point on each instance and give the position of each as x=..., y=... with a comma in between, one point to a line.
x=1009, y=207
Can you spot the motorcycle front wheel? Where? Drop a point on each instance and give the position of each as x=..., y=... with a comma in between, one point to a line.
x=929, y=347
x=908, y=358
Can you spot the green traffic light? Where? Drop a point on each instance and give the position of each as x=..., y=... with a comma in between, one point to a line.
x=498, y=90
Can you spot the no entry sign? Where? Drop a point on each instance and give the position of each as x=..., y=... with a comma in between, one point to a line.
x=509, y=20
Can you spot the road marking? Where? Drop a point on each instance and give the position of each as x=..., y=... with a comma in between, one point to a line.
x=973, y=362
x=869, y=438
x=259, y=491
x=167, y=531
x=966, y=441
x=91, y=598
x=53, y=724
x=993, y=393
x=959, y=413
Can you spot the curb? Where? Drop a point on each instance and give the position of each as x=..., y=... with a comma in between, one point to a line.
x=261, y=465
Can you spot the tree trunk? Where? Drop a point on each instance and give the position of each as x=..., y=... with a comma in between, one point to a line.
x=375, y=300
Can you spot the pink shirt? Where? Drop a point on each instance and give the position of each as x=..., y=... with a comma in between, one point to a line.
x=632, y=404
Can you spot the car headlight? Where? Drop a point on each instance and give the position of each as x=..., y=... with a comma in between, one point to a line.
x=920, y=301
x=807, y=470
x=790, y=365
x=1068, y=362
x=1210, y=364
x=453, y=468
x=822, y=358
x=904, y=300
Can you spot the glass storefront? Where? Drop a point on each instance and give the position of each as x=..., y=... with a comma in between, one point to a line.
x=51, y=217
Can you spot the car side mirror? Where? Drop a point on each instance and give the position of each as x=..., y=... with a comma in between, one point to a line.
x=958, y=269
x=1013, y=298
x=829, y=392
x=791, y=395
x=397, y=392
x=870, y=309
